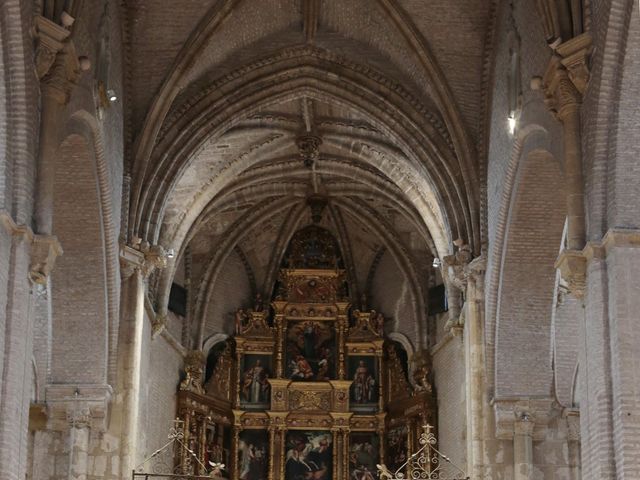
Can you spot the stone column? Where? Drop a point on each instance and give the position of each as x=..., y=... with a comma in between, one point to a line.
x=564, y=83
x=523, y=447
x=136, y=266
x=474, y=366
x=29, y=259
x=79, y=422
x=609, y=358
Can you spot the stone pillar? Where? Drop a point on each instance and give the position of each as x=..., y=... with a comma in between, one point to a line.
x=523, y=448
x=79, y=444
x=610, y=357
x=136, y=266
x=474, y=366
x=29, y=259
x=564, y=83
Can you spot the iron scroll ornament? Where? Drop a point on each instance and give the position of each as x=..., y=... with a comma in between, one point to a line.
x=428, y=463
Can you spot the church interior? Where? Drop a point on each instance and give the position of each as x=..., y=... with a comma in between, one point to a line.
x=319, y=239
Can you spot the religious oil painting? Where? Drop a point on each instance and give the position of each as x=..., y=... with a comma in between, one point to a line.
x=311, y=349
x=309, y=455
x=364, y=455
x=397, y=455
x=364, y=394
x=255, y=389
x=253, y=455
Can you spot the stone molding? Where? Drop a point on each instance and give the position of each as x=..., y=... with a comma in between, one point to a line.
x=522, y=416
x=79, y=406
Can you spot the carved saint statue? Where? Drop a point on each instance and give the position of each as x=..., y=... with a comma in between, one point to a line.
x=240, y=321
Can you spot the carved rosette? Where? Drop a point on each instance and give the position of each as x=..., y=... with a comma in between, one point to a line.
x=309, y=148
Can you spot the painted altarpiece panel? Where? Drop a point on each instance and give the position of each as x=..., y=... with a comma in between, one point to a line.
x=255, y=390
x=309, y=455
x=253, y=455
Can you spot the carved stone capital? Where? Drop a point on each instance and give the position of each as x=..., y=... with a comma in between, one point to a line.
x=573, y=269
x=80, y=417
x=144, y=258
x=78, y=406
x=522, y=416
x=561, y=95
x=454, y=267
x=44, y=251
x=158, y=324
x=575, y=58
x=62, y=75
x=524, y=424
x=50, y=38
x=567, y=75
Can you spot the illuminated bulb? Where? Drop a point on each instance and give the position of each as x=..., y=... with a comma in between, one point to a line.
x=512, y=124
x=111, y=95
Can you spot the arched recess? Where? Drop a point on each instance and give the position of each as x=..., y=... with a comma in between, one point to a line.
x=527, y=279
x=84, y=124
x=431, y=175
x=80, y=311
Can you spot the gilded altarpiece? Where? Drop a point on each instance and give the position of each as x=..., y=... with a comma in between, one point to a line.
x=309, y=389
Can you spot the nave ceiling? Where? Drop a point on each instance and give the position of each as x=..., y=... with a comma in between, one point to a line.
x=218, y=101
